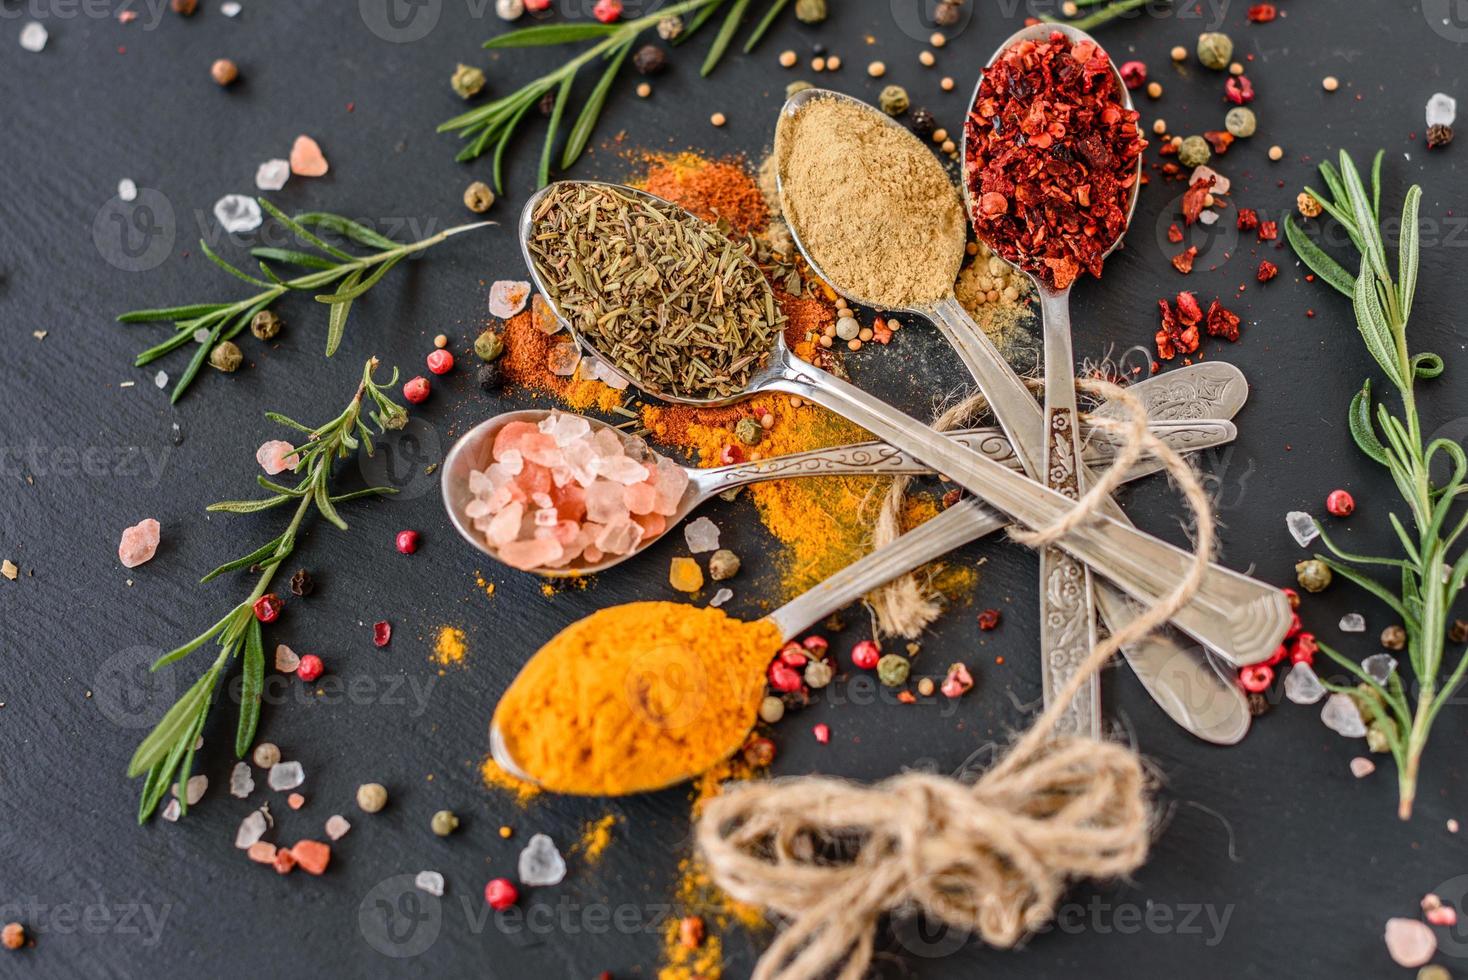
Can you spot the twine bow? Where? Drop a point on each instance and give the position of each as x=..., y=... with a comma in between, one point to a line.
x=994, y=857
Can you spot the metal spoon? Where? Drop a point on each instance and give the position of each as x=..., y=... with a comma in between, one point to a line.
x=472, y=452
x=1166, y=665
x=1231, y=612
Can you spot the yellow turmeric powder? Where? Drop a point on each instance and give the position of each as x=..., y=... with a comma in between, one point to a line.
x=635, y=697
x=449, y=646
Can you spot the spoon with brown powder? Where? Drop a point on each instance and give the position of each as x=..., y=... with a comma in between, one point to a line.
x=635, y=247
x=876, y=216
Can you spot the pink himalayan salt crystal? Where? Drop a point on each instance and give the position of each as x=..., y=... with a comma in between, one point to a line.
x=139, y=543
x=307, y=160
x=286, y=660
x=276, y=456
x=337, y=826
x=563, y=359
x=543, y=317
x=1361, y=767
x=1410, y=942
x=1443, y=915
x=507, y=297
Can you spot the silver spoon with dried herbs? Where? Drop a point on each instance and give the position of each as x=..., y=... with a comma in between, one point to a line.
x=1230, y=612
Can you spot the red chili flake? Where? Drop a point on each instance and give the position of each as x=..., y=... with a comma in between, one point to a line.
x=907, y=697
x=1183, y=261
x=1174, y=233
x=1221, y=323
x=1049, y=132
x=958, y=682
x=988, y=619
x=1239, y=90
x=1220, y=140
x=1268, y=231
x=881, y=333
x=1167, y=149
x=1179, y=333
x=381, y=633
x=1133, y=74
x=1267, y=270
x=822, y=733
x=1263, y=13
x=1279, y=655
x=1304, y=649
x=690, y=932
x=1188, y=310
x=268, y=607
x=1196, y=197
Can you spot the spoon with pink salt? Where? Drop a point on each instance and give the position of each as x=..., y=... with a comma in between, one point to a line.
x=561, y=494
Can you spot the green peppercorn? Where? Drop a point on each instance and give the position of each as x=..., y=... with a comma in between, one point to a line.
x=818, y=673
x=1434, y=971
x=669, y=28
x=749, y=431
x=467, y=81
x=723, y=564
x=1313, y=575
x=771, y=710
x=1215, y=50
x=489, y=345
x=798, y=85
x=444, y=822
x=1194, y=152
x=1376, y=739
x=1394, y=637
x=265, y=325
x=892, y=670
x=894, y=100
x=810, y=11
x=226, y=356
x=1241, y=122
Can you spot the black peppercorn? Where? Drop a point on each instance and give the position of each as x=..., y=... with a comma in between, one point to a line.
x=302, y=584
x=1439, y=135
x=490, y=376
x=946, y=14
x=649, y=59
x=922, y=122
x=1258, y=705
x=818, y=49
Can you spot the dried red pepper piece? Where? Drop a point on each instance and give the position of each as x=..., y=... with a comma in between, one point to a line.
x=1268, y=231
x=1196, y=197
x=1267, y=270
x=1174, y=234
x=1178, y=336
x=1183, y=261
x=1248, y=219
x=1263, y=13
x=1239, y=90
x=1220, y=140
x=1188, y=309
x=1222, y=323
x=1048, y=131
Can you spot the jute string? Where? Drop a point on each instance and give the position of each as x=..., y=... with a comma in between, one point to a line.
x=831, y=857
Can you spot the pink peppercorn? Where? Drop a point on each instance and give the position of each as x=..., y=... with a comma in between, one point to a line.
x=865, y=655
x=1278, y=656
x=1304, y=649
x=1256, y=679
x=793, y=654
x=536, y=6
x=784, y=678
x=1295, y=626
x=381, y=633
x=501, y=894
x=1239, y=90
x=607, y=11
x=817, y=645
x=1340, y=503
x=268, y=607
x=416, y=390
x=1293, y=596
x=1134, y=74
x=440, y=362
x=310, y=668
x=822, y=733
x=406, y=542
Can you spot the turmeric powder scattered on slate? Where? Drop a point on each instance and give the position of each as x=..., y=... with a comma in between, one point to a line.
x=635, y=697
x=596, y=837
x=496, y=778
x=449, y=647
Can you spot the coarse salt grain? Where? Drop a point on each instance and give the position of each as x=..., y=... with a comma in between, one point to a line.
x=161, y=379
x=127, y=190
x=1410, y=942
x=276, y=456
x=238, y=213
x=171, y=811
x=230, y=9
x=139, y=543
x=1361, y=767
x=508, y=297
x=272, y=174
x=337, y=826
x=286, y=775
x=430, y=882
x=286, y=660
x=33, y=37
x=241, y=780
x=307, y=160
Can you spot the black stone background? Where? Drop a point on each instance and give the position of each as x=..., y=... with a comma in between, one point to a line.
x=1305, y=861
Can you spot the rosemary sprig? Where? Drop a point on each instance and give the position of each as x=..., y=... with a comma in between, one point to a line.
x=354, y=274
x=491, y=127
x=1430, y=579
x=166, y=755
x=1094, y=20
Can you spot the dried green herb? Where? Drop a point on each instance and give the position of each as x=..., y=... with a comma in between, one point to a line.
x=670, y=300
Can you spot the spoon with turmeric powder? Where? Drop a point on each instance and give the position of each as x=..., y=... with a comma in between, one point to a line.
x=470, y=496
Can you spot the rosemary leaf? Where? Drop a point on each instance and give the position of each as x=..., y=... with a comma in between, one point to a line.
x=725, y=35
x=352, y=230
x=562, y=97
x=336, y=324
x=252, y=683
x=547, y=34
x=591, y=111
x=294, y=257
x=766, y=22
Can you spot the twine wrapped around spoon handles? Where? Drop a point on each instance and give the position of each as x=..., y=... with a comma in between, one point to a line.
x=995, y=857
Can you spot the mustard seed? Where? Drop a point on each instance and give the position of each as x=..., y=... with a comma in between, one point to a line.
x=876, y=69
x=718, y=119
x=788, y=59
x=926, y=59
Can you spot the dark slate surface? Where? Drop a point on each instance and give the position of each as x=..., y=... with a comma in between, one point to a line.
x=1271, y=860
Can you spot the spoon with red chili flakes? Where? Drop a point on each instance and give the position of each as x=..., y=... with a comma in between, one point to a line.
x=1052, y=166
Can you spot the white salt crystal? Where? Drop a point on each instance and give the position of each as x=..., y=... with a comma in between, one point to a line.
x=1302, y=686
x=33, y=36
x=507, y=297
x=1361, y=767
x=540, y=863
x=286, y=775
x=1341, y=716
x=1302, y=527
x=238, y=213
x=1379, y=666
x=272, y=174
x=1208, y=217
x=430, y=882
x=241, y=782
x=509, y=9
x=1353, y=623
x=171, y=811
x=1410, y=942
x=230, y=9
x=161, y=379
x=201, y=335
x=720, y=597
x=1442, y=109
x=702, y=535
x=127, y=190
x=252, y=828
x=337, y=826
